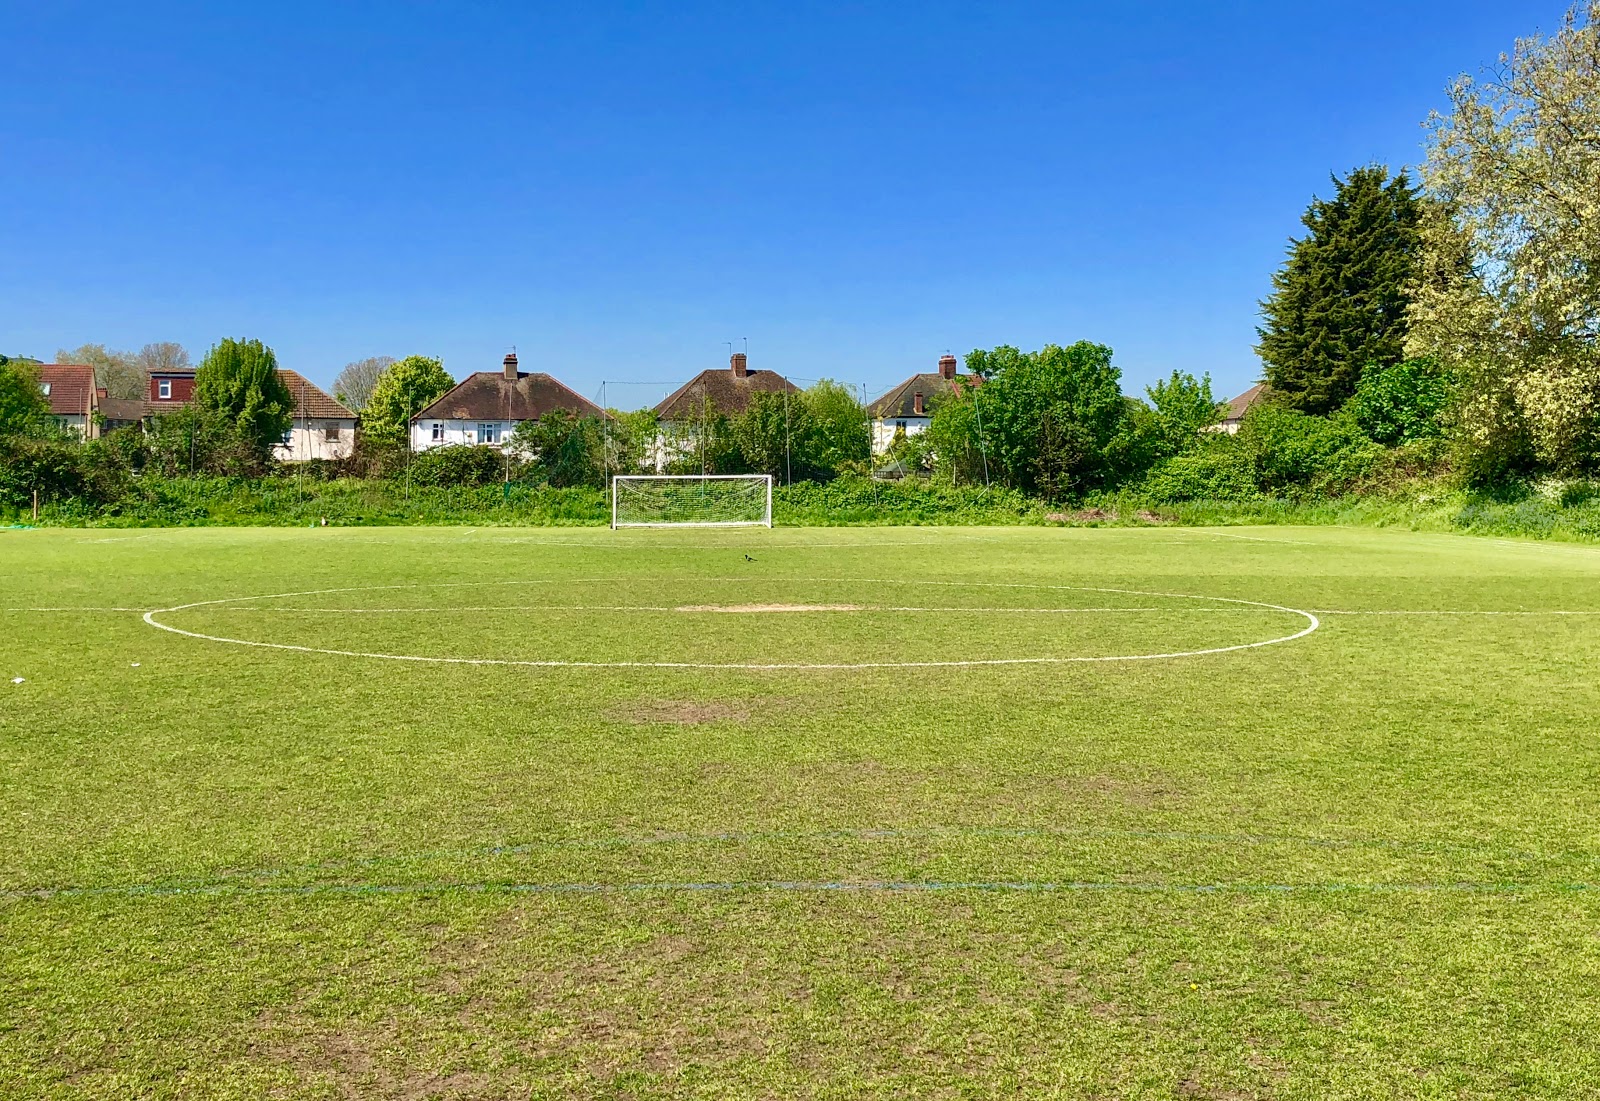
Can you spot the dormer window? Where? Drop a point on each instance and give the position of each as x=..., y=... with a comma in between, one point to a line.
x=164, y=389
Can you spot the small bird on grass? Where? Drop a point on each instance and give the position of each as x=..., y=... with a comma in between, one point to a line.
x=747, y=558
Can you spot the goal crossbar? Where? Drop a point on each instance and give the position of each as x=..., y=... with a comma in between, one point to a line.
x=691, y=500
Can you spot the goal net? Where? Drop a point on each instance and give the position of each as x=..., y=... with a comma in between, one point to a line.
x=724, y=500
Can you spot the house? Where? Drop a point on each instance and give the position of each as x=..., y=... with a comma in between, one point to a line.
x=908, y=408
x=486, y=407
x=714, y=392
x=321, y=428
x=74, y=398
x=711, y=393
x=1238, y=407
x=170, y=389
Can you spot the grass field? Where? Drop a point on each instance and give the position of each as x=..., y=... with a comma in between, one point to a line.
x=513, y=813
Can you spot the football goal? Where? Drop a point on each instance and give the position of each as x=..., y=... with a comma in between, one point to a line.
x=667, y=500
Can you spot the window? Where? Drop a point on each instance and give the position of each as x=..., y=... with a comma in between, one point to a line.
x=438, y=432
x=164, y=389
x=288, y=434
x=488, y=433
x=331, y=433
x=899, y=424
x=45, y=386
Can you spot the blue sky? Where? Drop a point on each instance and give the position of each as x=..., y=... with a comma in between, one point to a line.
x=617, y=190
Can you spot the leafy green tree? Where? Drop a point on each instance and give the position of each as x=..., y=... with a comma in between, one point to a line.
x=1405, y=402
x=238, y=383
x=1508, y=298
x=24, y=410
x=563, y=449
x=1339, y=303
x=841, y=438
x=404, y=389
x=195, y=440
x=775, y=436
x=1182, y=407
x=1043, y=422
x=629, y=441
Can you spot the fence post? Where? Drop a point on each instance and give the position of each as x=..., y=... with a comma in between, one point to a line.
x=35, y=504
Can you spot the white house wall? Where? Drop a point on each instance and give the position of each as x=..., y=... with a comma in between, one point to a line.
x=317, y=439
x=457, y=433
x=883, y=431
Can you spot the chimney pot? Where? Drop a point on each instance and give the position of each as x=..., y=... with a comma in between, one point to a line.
x=740, y=364
x=947, y=366
x=511, y=366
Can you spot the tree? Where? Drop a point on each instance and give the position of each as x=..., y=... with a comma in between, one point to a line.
x=162, y=355
x=1508, y=296
x=24, y=410
x=1339, y=302
x=1393, y=405
x=1183, y=407
x=841, y=437
x=238, y=384
x=774, y=436
x=564, y=449
x=354, y=384
x=404, y=389
x=119, y=372
x=1043, y=422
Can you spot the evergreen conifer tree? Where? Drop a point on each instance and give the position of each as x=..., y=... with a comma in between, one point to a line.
x=1339, y=303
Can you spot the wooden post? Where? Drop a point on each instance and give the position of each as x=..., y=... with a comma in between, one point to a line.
x=35, y=504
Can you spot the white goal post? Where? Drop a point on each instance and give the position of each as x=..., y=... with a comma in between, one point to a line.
x=691, y=500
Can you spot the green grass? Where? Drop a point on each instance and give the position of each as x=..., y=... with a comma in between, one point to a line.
x=1361, y=863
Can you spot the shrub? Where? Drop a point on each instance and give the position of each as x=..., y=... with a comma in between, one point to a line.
x=1404, y=402
x=458, y=465
x=1219, y=470
x=1292, y=452
x=58, y=470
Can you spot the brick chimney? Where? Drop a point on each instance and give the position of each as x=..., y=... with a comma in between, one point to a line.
x=740, y=364
x=511, y=366
x=947, y=366
x=916, y=403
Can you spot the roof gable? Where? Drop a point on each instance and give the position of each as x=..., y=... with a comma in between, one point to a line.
x=721, y=391
x=312, y=401
x=69, y=387
x=902, y=400
x=490, y=396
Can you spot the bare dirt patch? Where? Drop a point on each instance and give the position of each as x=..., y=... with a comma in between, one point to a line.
x=681, y=712
x=771, y=608
x=1080, y=516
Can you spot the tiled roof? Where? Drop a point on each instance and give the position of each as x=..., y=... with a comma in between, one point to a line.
x=127, y=410
x=70, y=388
x=901, y=401
x=489, y=396
x=1241, y=404
x=312, y=401
x=721, y=392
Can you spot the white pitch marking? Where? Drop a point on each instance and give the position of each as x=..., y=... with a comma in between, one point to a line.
x=1441, y=611
x=1312, y=624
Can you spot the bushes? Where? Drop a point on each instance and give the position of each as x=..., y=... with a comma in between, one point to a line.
x=457, y=466
x=1276, y=453
x=58, y=470
x=1407, y=401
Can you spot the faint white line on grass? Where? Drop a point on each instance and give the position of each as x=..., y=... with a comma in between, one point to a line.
x=1312, y=624
x=1439, y=611
x=1251, y=538
x=759, y=886
x=682, y=608
x=73, y=609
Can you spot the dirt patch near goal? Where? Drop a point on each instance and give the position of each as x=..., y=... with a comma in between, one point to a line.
x=771, y=608
x=682, y=712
